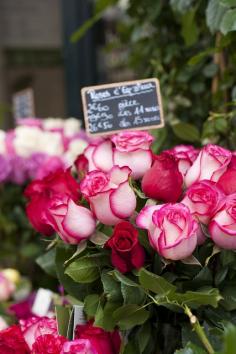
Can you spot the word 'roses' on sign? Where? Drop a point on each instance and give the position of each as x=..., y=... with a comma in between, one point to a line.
x=122, y=106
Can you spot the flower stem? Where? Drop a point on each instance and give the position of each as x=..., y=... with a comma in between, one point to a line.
x=199, y=330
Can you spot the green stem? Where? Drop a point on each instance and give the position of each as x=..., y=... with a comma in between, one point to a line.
x=199, y=330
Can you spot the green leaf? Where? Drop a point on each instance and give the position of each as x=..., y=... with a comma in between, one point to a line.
x=104, y=316
x=214, y=14
x=47, y=262
x=99, y=238
x=62, y=317
x=191, y=349
x=230, y=339
x=129, y=316
x=194, y=299
x=228, y=3
x=186, y=132
x=228, y=23
x=111, y=287
x=189, y=30
x=143, y=336
x=132, y=295
x=80, y=248
x=155, y=283
x=91, y=303
x=124, y=279
x=102, y=5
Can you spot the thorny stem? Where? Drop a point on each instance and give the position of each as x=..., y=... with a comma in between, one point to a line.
x=199, y=330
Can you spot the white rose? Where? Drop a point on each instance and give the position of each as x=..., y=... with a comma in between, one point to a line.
x=71, y=126
x=51, y=144
x=27, y=140
x=75, y=148
x=53, y=123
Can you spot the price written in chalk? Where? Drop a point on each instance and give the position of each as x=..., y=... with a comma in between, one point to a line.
x=122, y=106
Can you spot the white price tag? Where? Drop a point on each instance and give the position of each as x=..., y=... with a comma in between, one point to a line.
x=42, y=302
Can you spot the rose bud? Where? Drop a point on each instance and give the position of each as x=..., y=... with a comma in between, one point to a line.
x=172, y=230
x=81, y=164
x=101, y=341
x=12, y=341
x=222, y=227
x=163, y=181
x=210, y=164
x=185, y=155
x=203, y=200
x=126, y=251
x=48, y=344
x=110, y=196
x=72, y=222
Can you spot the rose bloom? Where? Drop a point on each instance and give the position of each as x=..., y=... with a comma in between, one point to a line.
x=78, y=346
x=110, y=196
x=7, y=287
x=127, y=253
x=222, y=227
x=203, y=200
x=72, y=222
x=41, y=192
x=227, y=181
x=185, y=155
x=34, y=327
x=163, y=181
x=101, y=341
x=172, y=230
x=12, y=341
x=48, y=344
x=210, y=164
x=130, y=148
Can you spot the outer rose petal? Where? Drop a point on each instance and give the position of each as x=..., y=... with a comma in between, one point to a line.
x=221, y=237
x=79, y=221
x=119, y=174
x=123, y=201
x=88, y=153
x=194, y=171
x=138, y=256
x=103, y=156
x=118, y=262
x=228, y=182
x=144, y=218
x=102, y=210
x=138, y=161
x=180, y=251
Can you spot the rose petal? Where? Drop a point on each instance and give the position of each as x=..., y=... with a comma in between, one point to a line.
x=138, y=161
x=103, y=156
x=144, y=218
x=101, y=207
x=119, y=174
x=123, y=201
x=88, y=153
x=182, y=250
x=222, y=238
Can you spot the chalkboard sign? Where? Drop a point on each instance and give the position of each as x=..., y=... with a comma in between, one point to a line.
x=129, y=105
x=23, y=104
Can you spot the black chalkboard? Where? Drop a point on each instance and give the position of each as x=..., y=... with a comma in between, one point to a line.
x=129, y=105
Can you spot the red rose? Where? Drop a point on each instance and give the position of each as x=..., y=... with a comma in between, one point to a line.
x=12, y=341
x=227, y=181
x=127, y=253
x=48, y=344
x=101, y=341
x=163, y=181
x=81, y=164
x=40, y=192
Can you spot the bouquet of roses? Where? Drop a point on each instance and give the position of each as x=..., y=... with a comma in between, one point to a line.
x=145, y=241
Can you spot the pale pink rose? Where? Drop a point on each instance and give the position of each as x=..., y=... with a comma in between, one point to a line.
x=210, y=164
x=34, y=327
x=222, y=227
x=203, y=200
x=7, y=287
x=185, y=155
x=110, y=196
x=72, y=222
x=78, y=346
x=172, y=230
x=130, y=149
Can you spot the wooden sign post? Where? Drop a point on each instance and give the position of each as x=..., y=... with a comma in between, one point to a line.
x=130, y=105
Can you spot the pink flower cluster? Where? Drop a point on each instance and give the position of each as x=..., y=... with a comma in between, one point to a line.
x=188, y=187
x=40, y=336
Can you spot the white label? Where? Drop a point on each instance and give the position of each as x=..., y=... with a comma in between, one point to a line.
x=42, y=302
x=79, y=317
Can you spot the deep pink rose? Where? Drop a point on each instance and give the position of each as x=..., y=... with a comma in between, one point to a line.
x=34, y=327
x=101, y=341
x=203, y=200
x=59, y=184
x=48, y=344
x=131, y=148
x=22, y=309
x=163, y=181
x=72, y=222
x=185, y=155
x=127, y=253
x=78, y=346
x=210, y=164
x=222, y=227
x=227, y=181
x=7, y=287
x=50, y=165
x=12, y=341
x=110, y=196
x=172, y=230
x=81, y=165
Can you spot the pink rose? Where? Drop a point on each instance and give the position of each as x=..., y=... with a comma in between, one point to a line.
x=72, y=222
x=185, y=155
x=222, y=227
x=34, y=327
x=172, y=230
x=210, y=164
x=7, y=287
x=227, y=181
x=131, y=148
x=78, y=346
x=203, y=200
x=110, y=196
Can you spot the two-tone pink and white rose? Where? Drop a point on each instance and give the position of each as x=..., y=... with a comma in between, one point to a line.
x=203, y=199
x=185, y=155
x=222, y=227
x=110, y=196
x=172, y=229
x=210, y=164
x=131, y=148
